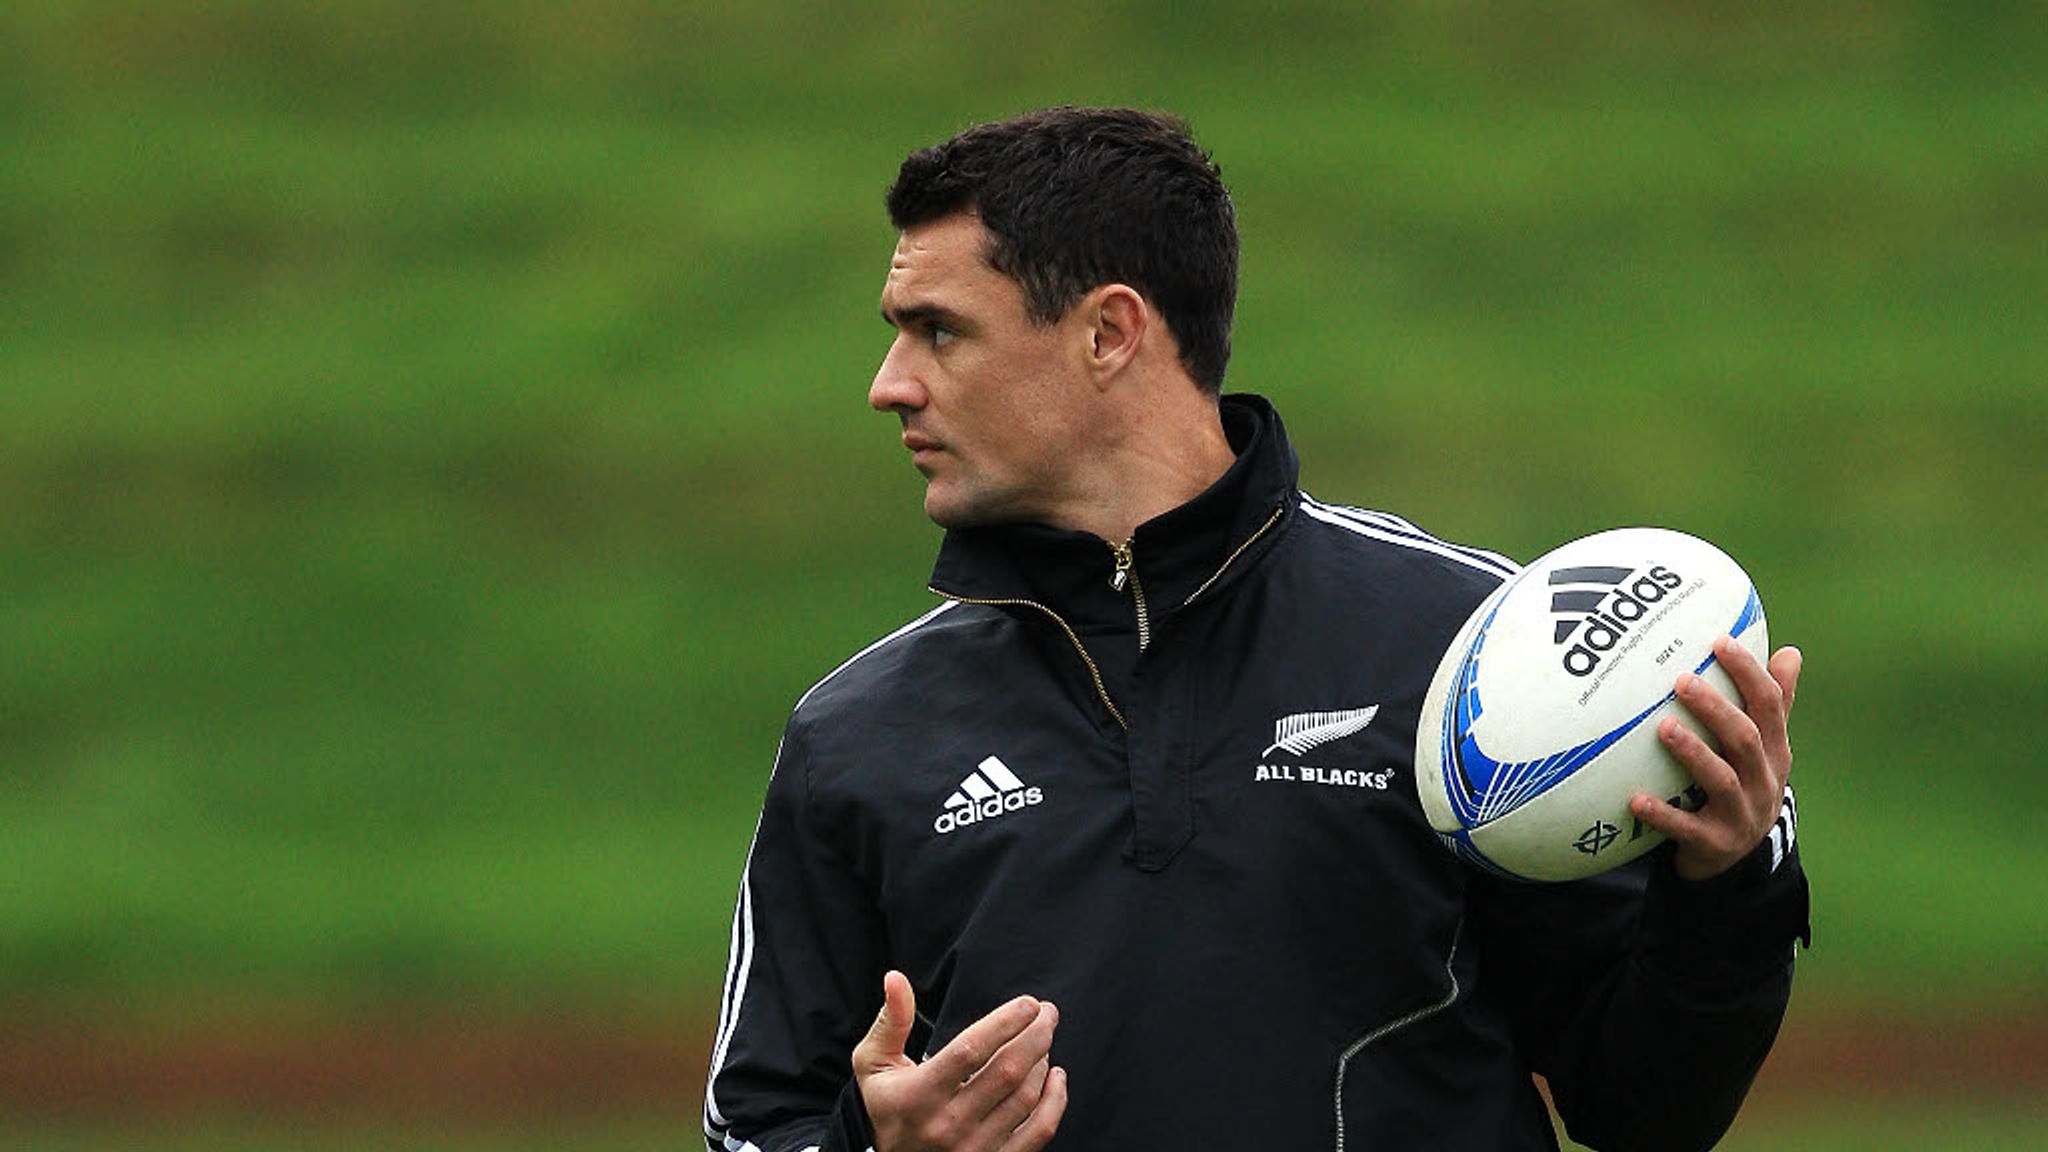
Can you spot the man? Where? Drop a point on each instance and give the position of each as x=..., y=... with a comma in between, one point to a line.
x=1027, y=835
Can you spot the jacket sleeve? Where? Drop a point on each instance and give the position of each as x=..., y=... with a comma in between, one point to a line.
x=803, y=979
x=1648, y=1002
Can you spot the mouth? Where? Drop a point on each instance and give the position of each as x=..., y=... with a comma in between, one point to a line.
x=921, y=446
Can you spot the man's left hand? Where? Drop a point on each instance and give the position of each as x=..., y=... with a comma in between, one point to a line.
x=1744, y=779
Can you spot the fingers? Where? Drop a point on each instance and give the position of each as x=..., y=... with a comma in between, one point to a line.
x=1716, y=779
x=1675, y=823
x=1006, y=1088
x=882, y=1047
x=993, y=1087
x=1037, y=1128
x=1744, y=730
x=1743, y=778
x=1785, y=667
x=1011, y=1109
x=1751, y=735
x=978, y=1043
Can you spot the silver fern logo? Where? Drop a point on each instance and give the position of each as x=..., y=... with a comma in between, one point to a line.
x=1304, y=732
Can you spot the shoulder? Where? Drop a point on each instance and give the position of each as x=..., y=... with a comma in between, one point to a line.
x=1389, y=552
x=892, y=704
x=929, y=646
x=1376, y=593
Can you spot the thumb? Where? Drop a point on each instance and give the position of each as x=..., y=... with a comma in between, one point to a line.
x=1785, y=667
x=882, y=1047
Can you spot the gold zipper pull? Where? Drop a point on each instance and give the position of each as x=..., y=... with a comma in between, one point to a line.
x=1120, y=578
x=1126, y=576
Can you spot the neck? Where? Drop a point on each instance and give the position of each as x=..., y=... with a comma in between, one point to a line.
x=1152, y=461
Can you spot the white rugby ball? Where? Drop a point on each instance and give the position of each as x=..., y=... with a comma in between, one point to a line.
x=1541, y=722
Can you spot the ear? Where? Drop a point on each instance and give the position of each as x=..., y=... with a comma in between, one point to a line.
x=1119, y=323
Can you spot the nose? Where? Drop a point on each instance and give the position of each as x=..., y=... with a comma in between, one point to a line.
x=896, y=387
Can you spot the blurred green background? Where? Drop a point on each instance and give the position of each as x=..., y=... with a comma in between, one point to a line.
x=434, y=453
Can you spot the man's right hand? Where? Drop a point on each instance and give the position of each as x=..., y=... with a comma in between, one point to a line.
x=993, y=1089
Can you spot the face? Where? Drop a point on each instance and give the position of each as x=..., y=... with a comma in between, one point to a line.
x=991, y=403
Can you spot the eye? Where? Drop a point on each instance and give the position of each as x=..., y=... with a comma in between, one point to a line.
x=940, y=335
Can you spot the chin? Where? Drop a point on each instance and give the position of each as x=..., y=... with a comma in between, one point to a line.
x=949, y=517
x=952, y=509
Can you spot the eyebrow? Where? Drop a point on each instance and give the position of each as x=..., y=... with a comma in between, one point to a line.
x=920, y=314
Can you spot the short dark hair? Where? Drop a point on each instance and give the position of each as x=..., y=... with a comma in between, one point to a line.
x=1074, y=198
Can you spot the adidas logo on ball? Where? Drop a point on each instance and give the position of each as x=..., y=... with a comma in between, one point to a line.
x=1622, y=597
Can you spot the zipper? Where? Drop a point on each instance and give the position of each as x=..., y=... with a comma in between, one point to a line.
x=1450, y=997
x=1232, y=558
x=1094, y=670
x=1126, y=574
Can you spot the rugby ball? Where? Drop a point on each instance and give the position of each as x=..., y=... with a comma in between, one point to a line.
x=1541, y=721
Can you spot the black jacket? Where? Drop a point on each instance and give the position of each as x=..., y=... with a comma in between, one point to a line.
x=1249, y=947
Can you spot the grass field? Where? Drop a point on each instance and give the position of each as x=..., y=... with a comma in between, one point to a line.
x=433, y=452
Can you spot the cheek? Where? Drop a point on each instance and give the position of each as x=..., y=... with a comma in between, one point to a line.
x=1025, y=415
x=1017, y=401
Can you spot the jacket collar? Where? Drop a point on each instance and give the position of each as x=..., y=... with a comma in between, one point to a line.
x=1174, y=554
